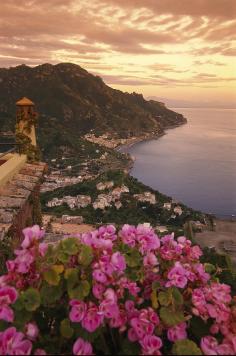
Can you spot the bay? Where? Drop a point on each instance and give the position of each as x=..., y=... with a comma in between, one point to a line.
x=194, y=163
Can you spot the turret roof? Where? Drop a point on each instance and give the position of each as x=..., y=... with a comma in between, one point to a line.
x=24, y=102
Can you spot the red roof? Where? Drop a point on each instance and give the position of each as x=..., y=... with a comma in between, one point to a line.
x=24, y=102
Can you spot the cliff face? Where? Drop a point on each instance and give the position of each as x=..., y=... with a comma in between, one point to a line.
x=69, y=98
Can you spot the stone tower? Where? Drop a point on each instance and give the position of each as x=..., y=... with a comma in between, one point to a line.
x=25, y=112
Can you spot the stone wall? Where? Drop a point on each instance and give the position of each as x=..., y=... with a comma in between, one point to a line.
x=19, y=198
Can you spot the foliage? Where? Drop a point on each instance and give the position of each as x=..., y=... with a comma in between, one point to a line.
x=114, y=292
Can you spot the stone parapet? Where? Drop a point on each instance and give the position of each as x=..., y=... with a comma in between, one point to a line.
x=17, y=196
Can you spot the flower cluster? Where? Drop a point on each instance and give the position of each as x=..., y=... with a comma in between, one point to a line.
x=113, y=292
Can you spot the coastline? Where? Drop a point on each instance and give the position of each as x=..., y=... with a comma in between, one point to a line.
x=122, y=148
x=150, y=137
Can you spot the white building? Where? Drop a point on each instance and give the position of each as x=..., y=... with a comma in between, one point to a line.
x=178, y=210
x=167, y=206
x=146, y=197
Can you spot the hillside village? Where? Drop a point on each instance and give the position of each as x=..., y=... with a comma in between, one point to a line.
x=116, y=197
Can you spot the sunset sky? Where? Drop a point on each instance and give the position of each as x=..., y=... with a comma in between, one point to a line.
x=178, y=49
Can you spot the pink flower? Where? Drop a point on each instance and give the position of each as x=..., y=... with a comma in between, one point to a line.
x=214, y=329
x=177, y=276
x=40, y=352
x=131, y=286
x=82, y=347
x=220, y=293
x=225, y=349
x=4, y=280
x=100, y=239
x=200, y=273
x=151, y=345
x=13, y=343
x=146, y=238
x=128, y=235
x=92, y=319
x=150, y=259
x=8, y=295
x=195, y=253
x=78, y=310
x=107, y=232
x=182, y=241
x=31, y=234
x=119, y=321
x=43, y=249
x=118, y=262
x=98, y=290
x=142, y=326
x=177, y=332
x=212, y=302
x=32, y=331
x=109, y=309
x=209, y=345
x=132, y=336
x=170, y=249
x=105, y=265
x=99, y=276
x=22, y=262
x=110, y=295
x=212, y=311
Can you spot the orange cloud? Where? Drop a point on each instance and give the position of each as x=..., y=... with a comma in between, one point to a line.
x=115, y=38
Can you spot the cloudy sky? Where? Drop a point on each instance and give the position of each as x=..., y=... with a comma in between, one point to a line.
x=179, y=49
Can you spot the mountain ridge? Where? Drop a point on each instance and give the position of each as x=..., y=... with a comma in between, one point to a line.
x=72, y=102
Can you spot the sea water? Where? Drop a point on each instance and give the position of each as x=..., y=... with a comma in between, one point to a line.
x=194, y=163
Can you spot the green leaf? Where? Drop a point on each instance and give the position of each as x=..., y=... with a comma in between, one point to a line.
x=185, y=347
x=18, y=305
x=79, y=292
x=31, y=299
x=86, y=255
x=51, y=277
x=209, y=268
x=70, y=246
x=65, y=329
x=133, y=258
x=177, y=296
x=156, y=285
x=86, y=288
x=164, y=298
x=72, y=277
x=50, y=294
x=3, y=325
x=132, y=274
x=21, y=318
x=199, y=328
x=86, y=335
x=171, y=317
x=58, y=268
x=215, y=279
x=63, y=257
x=51, y=254
x=129, y=348
x=154, y=299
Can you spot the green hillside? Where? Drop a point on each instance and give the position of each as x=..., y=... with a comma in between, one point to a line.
x=72, y=101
